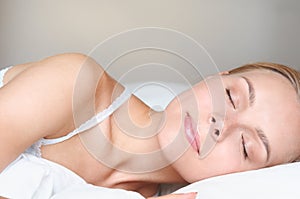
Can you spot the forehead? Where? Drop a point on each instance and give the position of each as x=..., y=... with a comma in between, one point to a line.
x=277, y=111
x=271, y=83
x=273, y=87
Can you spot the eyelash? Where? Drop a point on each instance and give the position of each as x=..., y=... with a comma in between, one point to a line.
x=244, y=148
x=228, y=92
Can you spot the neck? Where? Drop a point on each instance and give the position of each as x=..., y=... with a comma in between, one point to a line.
x=135, y=127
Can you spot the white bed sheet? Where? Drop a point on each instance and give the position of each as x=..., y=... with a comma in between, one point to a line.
x=32, y=177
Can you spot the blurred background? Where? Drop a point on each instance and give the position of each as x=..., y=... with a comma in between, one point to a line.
x=233, y=32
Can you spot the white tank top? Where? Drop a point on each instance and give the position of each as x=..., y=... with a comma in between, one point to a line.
x=92, y=122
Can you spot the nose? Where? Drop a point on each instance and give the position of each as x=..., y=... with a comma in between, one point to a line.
x=214, y=134
x=220, y=125
x=216, y=125
x=217, y=131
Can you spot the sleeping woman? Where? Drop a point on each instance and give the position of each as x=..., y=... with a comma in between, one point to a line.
x=68, y=111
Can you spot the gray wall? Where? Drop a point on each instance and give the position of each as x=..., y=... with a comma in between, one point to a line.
x=234, y=32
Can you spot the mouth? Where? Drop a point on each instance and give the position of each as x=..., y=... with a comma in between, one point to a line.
x=191, y=133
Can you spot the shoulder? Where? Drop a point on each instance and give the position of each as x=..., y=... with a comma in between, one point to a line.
x=80, y=68
x=67, y=61
x=68, y=64
x=71, y=63
x=39, y=100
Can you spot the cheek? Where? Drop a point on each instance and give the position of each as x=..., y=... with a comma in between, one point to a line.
x=195, y=101
x=223, y=159
x=204, y=102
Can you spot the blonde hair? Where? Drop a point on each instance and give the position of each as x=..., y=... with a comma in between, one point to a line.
x=291, y=74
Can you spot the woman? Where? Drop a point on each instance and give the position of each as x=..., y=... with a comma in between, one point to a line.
x=255, y=127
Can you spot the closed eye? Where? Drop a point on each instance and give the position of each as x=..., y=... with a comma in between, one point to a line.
x=230, y=98
x=244, y=148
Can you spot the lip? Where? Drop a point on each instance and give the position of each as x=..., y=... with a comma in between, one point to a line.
x=191, y=133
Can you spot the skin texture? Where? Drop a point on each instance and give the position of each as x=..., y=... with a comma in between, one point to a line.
x=275, y=111
x=68, y=104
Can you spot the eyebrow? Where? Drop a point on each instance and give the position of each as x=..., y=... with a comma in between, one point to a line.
x=251, y=91
x=262, y=136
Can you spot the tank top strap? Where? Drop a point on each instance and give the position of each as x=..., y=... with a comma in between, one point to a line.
x=2, y=74
x=95, y=120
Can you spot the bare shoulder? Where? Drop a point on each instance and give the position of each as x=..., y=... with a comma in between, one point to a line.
x=70, y=63
x=37, y=100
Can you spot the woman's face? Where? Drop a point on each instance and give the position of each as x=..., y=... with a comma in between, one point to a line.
x=258, y=121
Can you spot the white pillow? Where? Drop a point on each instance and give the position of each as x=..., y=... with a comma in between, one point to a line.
x=275, y=182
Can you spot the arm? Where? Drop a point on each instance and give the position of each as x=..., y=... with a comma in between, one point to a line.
x=191, y=195
x=37, y=103
x=91, y=191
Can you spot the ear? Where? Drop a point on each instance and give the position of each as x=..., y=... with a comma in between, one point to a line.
x=224, y=73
